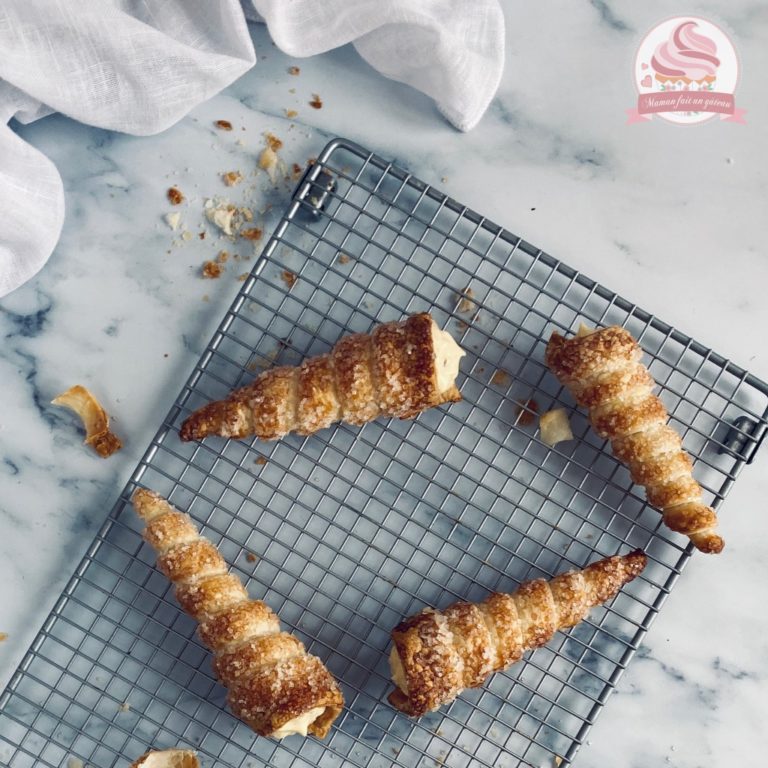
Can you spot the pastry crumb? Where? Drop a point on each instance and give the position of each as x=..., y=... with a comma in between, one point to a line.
x=175, y=196
x=296, y=170
x=343, y=258
x=95, y=419
x=465, y=300
x=211, y=270
x=222, y=257
x=317, y=102
x=261, y=461
x=201, y=235
x=186, y=235
x=232, y=178
x=557, y=761
x=294, y=71
x=526, y=412
x=501, y=378
x=250, y=557
x=206, y=298
x=75, y=762
x=291, y=113
x=252, y=233
x=173, y=220
x=461, y=325
x=273, y=142
x=555, y=427
x=223, y=125
x=220, y=213
x=3, y=636
x=242, y=278
x=289, y=278
x=125, y=707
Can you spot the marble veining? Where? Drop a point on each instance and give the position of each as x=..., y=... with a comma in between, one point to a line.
x=671, y=217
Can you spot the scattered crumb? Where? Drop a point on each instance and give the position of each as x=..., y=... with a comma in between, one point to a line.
x=251, y=558
x=317, y=102
x=261, y=461
x=206, y=298
x=231, y=178
x=223, y=125
x=246, y=213
x=555, y=427
x=294, y=71
x=291, y=90
x=343, y=258
x=501, y=378
x=461, y=325
x=252, y=233
x=95, y=419
x=175, y=196
x=296, y=170
x=201, y=235
x=242, y=278
x=3, y=636
x=211, y=270
x=273, y=142
x=291, y=113
x=222, y=257
x=173, y=220
x=557, y=761
x=268, y=162
x=186, y=235
x=465, y=300
x=289, y=278
x=125, y=707
x=75, y=762
x=220, y=213
x=526, y=413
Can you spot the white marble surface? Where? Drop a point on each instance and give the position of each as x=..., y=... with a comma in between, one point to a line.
x=673, y=218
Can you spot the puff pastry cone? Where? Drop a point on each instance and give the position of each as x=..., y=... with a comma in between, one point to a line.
x=400, y=369
x=274, y=685
x=603, y=372
x=437, y=654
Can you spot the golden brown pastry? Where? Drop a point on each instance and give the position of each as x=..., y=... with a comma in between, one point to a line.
x=603, y=372
x=275, y=686
x=168, y=758
x=437, y=654
x=400, y=369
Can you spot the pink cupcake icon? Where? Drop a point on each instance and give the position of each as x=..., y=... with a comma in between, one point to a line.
x=687, y=61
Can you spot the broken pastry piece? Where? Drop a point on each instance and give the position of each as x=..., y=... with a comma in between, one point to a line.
x=94, y=418
x=398, y=370
x=168, y=758
x=437, y=654
x=603, y=372
x=274, y=685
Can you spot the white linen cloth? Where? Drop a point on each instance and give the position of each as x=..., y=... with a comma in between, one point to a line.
x=138, y=66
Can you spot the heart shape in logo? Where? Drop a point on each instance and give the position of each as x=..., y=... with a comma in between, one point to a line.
x=646, y=82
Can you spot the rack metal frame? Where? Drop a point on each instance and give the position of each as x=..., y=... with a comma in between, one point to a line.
x=345, y=532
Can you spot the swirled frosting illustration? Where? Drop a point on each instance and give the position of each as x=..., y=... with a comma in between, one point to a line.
x=688, y=56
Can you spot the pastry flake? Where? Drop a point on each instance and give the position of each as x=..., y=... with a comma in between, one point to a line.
x=168, y=758
x=95, y=419
x=555, y=427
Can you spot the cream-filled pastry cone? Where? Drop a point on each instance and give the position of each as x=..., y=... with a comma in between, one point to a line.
x=603, y=372
x=398, y=370
x=273, y=684
x=437, y=654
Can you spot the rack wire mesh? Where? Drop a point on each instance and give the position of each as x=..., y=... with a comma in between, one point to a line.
x=346, y=532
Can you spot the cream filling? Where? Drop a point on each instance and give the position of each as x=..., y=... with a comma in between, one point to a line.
x=398, y=673
x=298, y=725
x=447, y=356
x=585, y=330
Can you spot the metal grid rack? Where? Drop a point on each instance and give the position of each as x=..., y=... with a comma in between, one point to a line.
x=345, y=532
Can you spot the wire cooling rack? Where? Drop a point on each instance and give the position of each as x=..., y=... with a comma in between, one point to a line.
x=346, y=532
